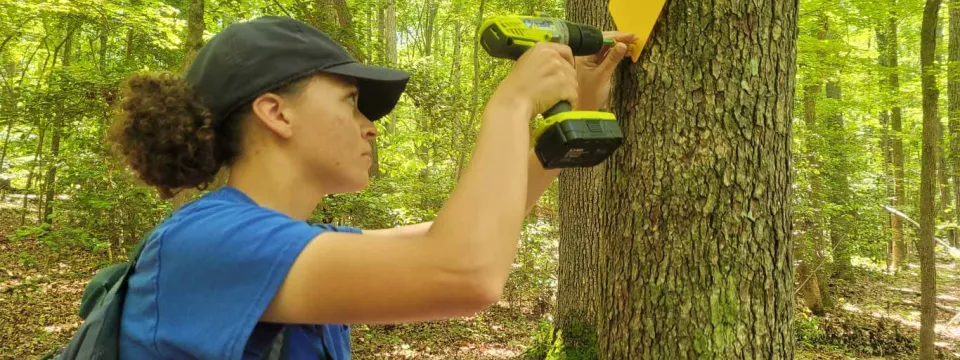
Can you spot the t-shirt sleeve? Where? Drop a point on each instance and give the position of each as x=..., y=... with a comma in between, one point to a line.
x=220, y=268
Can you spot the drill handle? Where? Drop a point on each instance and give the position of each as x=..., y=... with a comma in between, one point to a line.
x=560, y=107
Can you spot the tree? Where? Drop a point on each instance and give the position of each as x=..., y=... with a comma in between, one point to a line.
x=928, y=271
x=953, y=94
x=693, y=215
x=897, y=252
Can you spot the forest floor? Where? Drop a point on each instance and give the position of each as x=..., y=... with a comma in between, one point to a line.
x=876, y=315
x=41, y=287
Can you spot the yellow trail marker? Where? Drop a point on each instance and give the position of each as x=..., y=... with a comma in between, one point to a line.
x=638, y=17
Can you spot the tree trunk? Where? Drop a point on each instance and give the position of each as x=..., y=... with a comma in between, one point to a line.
x=41, y=127
x=51, y=179
x=695, y=250
x=475, y=97
x=812, y=229
x=836, y=178
x=389, y=36
x=953, y=106
x=928, y=271
x=943, y=170
x=835, y=168
x=195, y=27
x=899, y=246
x=885, y=144
x=581, y=213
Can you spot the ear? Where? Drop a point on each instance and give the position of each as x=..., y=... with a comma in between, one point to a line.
x=273, y=111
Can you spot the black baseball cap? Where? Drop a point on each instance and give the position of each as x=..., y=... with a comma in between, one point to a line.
x=253, y=57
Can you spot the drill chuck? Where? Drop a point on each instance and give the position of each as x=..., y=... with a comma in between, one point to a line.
x=508, y=37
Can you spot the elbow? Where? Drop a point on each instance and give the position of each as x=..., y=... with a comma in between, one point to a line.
x=485, y=292
x=476, y=291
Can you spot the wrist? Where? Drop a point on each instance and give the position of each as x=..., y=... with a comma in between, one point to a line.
x=514, y=101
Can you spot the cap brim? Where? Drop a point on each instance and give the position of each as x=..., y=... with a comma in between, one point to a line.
x=380, y=88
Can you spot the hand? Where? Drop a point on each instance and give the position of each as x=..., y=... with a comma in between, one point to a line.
x=542, y=77
x=594, y=71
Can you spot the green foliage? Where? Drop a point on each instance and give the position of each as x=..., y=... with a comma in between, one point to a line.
x=808, y=331
x=549, y=344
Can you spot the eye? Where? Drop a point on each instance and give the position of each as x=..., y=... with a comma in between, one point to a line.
x=353, y=98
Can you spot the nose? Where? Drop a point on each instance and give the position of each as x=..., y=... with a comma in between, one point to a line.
x=368, y=130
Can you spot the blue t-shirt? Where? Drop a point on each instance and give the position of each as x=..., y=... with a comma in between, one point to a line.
x=205, y=276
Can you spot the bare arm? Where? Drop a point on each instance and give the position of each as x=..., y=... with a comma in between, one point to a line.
x=538, y=180
x=460, y=265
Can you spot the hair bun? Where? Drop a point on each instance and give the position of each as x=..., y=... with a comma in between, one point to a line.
x=166, y=133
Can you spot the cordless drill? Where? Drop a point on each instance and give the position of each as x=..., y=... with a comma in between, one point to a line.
x=567, y=138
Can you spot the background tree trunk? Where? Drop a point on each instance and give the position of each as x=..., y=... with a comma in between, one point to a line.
x=898, y=248
x=580, y=214
x=953, y=106
x=695, y=218
x=812, y=229
x=51, y=178
x=928, y=271
x=195, y=27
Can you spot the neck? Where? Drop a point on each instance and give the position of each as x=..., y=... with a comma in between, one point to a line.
x=271, y=183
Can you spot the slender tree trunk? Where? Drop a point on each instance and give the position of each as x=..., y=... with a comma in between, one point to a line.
x=104, y=37
x=812, y=238
x=475, y=97
x=195, y=27
x=953, y=88
x=943, y=171
x=928, y=270
x=835, y=168
x=695, y=252
x=389, y=36
x=51, y=179
x=836, y=177
x=899, y=248
x=36, y=158
x=883, y=45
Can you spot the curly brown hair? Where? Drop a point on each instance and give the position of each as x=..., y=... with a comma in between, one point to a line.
x=168, y=136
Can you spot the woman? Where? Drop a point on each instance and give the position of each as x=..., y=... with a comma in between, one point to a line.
x=289, y=112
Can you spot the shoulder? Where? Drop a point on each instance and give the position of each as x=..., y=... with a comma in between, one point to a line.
x=220, y=259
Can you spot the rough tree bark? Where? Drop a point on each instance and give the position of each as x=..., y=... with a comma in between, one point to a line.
x=581, y=212
x=694, y=250
x=928, y=271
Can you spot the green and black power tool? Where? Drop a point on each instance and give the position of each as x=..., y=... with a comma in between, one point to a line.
x=567, y=138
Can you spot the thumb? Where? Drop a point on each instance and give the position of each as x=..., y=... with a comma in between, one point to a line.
x=614, y=56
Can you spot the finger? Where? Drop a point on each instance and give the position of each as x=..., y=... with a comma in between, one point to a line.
x=614, y=56
x=566, y=52
x=570, y=73
x=618, y=36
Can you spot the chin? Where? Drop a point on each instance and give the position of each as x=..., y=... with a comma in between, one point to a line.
x=354, y=185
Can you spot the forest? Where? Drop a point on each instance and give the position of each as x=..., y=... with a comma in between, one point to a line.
x=788, y=185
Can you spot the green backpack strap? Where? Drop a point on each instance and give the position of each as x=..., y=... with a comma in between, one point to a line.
x=102, y=309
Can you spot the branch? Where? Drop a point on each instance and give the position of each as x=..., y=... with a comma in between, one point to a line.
x=950, y=249
x=282, y=8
